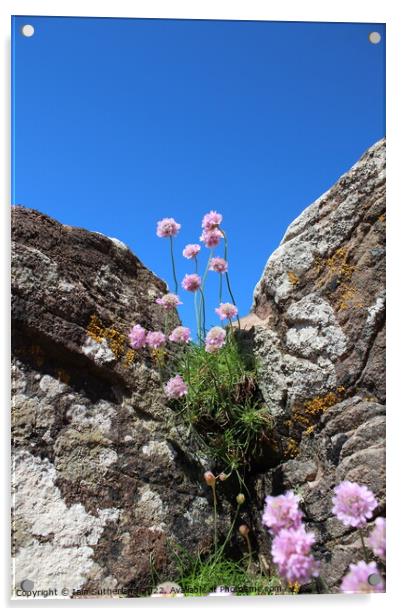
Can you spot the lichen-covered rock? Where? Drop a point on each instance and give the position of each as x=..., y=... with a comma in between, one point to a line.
x=318, y=329
x=104, y=480
x=323, y=295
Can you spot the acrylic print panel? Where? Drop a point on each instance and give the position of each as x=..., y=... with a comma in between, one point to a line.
x=198, y=308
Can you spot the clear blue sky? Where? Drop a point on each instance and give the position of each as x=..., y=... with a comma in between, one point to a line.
x=120, y=122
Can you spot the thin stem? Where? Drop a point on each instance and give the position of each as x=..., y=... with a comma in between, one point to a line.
x=202, y=289
x=173, y=265
x=221, y=549
x=196, y=264
x=215, y=519
x=203, y=311
x=250, y=552
x=220, y=288
x=227, y=275
x=366, y=558
x=197, y=316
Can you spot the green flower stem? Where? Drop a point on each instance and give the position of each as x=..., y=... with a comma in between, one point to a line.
x=221, y=549
x=250, y=551
x=173, y=265
x=197, y=316
x=202, y=303
x=227, y=275
x=220, y=288
x=215, y=519
x=366, y=558
x=204, y=277
x=196, y=264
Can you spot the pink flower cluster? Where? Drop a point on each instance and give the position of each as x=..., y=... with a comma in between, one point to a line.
x=353, y=504
x=191, y=282
x=291, y=553
x=191, y=251
x=376, y=538
x=217, y=264
x=211, y=221
x=176, y=388
x=291, y=545
x=211, y=234
x=226, y=311
x=170, y=301
x=155, y=339
x=282, y=512
x=167, y=227
x=211, y=238
x=180, y=334
x=139, y=338
x=363, y=577
x=215, y=339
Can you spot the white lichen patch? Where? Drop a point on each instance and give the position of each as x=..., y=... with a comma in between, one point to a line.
x=375, y=310
x=150, y=509
x=158, y=449
x=315, y=331
x=119, y=244
x=295, y=256
x=51, y=387
x=97, y=416
x=64, y=556
x=107, y=457
x=66, y=286
x=199, y=512
x=99, y=352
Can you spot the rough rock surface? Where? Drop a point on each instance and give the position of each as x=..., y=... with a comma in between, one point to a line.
x=102, y=474
x=318, y=326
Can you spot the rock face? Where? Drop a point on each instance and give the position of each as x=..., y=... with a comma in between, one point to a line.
x=102, y=476
x=318, y=325
x=105, y=478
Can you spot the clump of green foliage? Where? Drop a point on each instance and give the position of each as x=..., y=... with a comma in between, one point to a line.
x=224, y=406
x=198, y=576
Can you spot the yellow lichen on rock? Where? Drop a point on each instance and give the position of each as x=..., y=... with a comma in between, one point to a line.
x=116, y=340
x=293, y=279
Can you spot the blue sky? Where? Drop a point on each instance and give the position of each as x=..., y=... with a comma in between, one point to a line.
x=118, y=123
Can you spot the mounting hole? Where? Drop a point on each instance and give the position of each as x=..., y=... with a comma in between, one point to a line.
x=27, y=585
x=374, y=37
x=28, y=30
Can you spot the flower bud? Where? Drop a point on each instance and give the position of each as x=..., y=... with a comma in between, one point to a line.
x=244, y=530
x=240, y=498
x=209, y=478
x=223, y=476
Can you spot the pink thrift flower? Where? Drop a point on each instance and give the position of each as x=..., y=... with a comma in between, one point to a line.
x=217, y=264
x=226, y=311
x=376, y=538
x=137, y=336
x=282, y=512
x=290, y=541
x=215, y=339
x=301, y=568
x=155, y=339
x=191, y=282
x=191, y=251
x=211, y=221
x=359, y=576
x=167, y=227
x=211, y=238
x=291, y=553
x=353, y=504
x=175, y=387
x=180, y=334
x=169, y=301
